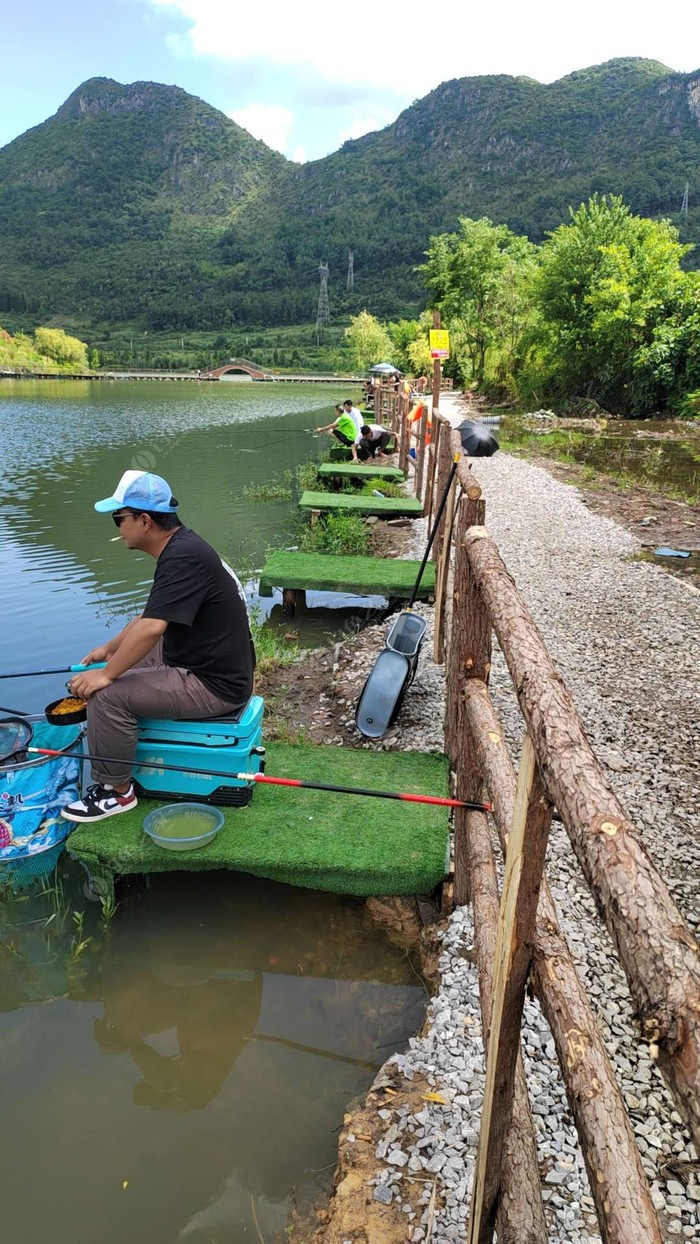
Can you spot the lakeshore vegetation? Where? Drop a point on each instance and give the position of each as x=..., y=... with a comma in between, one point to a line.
x=602, y=315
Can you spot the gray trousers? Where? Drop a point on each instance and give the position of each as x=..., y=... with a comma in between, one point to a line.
x=149, y=689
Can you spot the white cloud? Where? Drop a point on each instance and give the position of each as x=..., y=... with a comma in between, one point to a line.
x=299, y=155
x=271, y=123
x=372, y=41
x=360, y=126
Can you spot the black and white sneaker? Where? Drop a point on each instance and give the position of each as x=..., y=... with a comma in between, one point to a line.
x=99, y=802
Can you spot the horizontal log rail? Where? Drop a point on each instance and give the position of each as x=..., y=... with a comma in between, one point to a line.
x=660, y=957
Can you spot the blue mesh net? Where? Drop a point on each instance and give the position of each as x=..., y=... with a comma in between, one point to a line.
x=32, y=794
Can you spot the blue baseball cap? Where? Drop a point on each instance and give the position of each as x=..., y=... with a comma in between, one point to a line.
x=140, y=490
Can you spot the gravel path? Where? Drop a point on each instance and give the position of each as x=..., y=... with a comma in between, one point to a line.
x=625, y=637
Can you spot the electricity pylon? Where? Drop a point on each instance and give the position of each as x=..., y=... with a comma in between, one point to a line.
x=323, y=315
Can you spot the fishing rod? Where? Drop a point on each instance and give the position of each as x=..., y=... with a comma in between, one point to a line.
x=63, y=669
x=268, y=779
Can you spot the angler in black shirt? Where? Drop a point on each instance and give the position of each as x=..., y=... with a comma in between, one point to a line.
x=188, y=655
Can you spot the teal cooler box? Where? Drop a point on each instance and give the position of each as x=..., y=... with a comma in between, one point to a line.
x=230, y=744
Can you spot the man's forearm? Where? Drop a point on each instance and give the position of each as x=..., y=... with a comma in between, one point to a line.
x=113, y=645
x=136, y=641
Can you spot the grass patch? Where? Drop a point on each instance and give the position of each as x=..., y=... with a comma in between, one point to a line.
x=387, y=487
x=272, y=649
x=287, y=485
x=342, y=843
x=340, y=534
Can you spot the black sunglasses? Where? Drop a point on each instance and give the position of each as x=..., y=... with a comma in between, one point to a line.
x=118, y=519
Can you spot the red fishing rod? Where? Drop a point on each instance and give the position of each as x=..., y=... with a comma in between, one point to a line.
x=267, y=779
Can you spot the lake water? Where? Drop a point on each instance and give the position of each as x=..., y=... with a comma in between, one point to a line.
x=184, y=1078
x=182, y=1073
x=65, y=444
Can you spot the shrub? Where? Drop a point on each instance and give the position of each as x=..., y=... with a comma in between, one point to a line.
x=341, y=534
x=690, y=406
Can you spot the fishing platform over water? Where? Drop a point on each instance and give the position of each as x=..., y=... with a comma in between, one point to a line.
x=359, y=471
x=381, y=507
x=393, y=578
x=346, y=844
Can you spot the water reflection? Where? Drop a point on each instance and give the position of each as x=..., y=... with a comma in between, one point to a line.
x=656, y=453
x=204, y=1053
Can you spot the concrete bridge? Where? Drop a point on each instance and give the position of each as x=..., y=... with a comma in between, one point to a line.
x=242, y=366
x=246, y=367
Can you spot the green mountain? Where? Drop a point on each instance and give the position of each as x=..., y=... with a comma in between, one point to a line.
x=141, y=203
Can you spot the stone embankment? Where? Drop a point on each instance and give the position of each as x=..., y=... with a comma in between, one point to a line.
x=625, y=637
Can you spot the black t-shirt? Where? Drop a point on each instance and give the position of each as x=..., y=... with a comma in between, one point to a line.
x=202, y=601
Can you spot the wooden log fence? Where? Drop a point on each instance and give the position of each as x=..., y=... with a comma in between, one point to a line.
x=657, y=952
x=527, y=846
x=618, y=1184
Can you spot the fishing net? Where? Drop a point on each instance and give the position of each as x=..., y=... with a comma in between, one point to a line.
x=21, y=872
x=15, y=737
x=33, y=790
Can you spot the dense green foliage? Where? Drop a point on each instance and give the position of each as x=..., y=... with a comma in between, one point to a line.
x=143, y=207
x=602, y=310
x=480, y=278
x=368, y=341
x=342, y=534
x=51, y=350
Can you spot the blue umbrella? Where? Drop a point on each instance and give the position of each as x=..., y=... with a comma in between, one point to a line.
x=384, y=368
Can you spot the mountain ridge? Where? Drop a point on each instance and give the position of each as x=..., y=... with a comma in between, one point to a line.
x=140, y=202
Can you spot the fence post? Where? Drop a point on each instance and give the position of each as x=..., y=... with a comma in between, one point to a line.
x=468, y=656
x=404, y=435
x=527, y=846
x=420, y=452
x=441, y=578
x=433, y=452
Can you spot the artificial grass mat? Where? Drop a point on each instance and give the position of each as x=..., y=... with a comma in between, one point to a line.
x=359, y=470
x=346, y=844
x=410, y=506
x=364, y=576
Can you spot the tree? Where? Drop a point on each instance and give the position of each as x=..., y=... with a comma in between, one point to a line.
x=54, y=344
x=368, y=340
x=404, y=334
x=615, y=308
x=479, y=278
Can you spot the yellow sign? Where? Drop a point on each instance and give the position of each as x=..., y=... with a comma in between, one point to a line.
x=439, y=343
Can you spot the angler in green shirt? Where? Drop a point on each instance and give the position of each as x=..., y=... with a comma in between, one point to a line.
x=344, y=429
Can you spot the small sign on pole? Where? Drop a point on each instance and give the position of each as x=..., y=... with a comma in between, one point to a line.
x=439, y=343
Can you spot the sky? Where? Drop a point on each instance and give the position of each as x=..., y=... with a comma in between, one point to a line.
x=305, y=77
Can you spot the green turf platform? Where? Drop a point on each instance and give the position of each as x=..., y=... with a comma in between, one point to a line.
x=359, y=470
x=346, y=844
x=386, y=507
x=362, y=576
